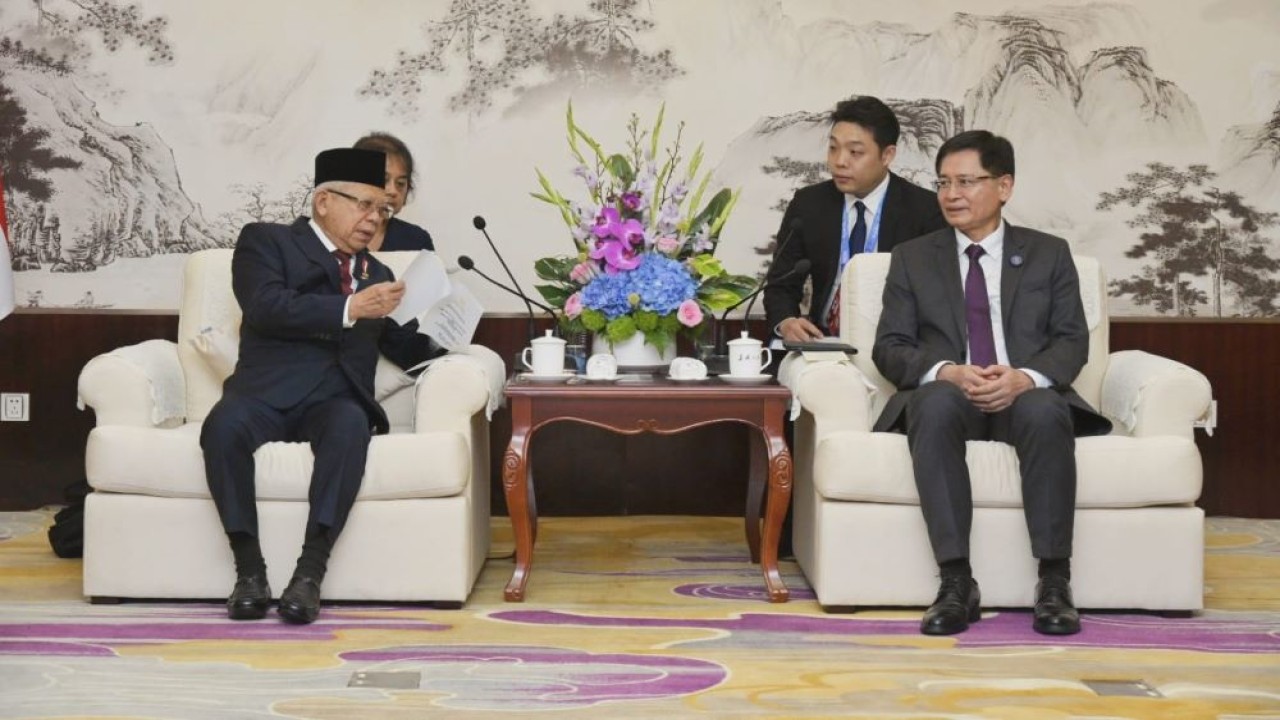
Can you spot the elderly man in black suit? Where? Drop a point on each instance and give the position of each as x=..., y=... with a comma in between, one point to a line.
x=983, y=331
x=863, y=208
x=315, y=307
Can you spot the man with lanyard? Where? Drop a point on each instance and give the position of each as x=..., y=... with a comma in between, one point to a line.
x=863, y=208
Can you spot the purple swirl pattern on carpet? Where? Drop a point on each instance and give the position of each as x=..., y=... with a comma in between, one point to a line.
x=545, y=678
x=997, y=629
x=720, y=591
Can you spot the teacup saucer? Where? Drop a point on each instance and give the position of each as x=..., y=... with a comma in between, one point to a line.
x=561, y=377
x=600, y=378
x=746, y=379
x=686, y=379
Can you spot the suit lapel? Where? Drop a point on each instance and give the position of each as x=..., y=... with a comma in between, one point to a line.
x=948, y=264
x=833, y=225
x=1015, y=246
x=889, y=214
x=313, y=248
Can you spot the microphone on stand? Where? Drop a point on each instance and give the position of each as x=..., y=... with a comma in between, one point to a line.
x=469, y=265
x=793, y=227
x=480, y=224
x=800, y=268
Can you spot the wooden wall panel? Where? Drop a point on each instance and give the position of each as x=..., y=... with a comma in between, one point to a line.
x=1242, y=458
x=588, y=471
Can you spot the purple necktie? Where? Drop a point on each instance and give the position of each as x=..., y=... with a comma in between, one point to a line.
x=977, y=312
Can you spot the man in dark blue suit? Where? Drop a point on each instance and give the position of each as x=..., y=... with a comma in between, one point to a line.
x=315, y=307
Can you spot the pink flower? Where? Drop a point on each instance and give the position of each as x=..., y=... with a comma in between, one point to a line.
x=667, y=245
x=582, y=272
x=689, y=313
x=573, y=306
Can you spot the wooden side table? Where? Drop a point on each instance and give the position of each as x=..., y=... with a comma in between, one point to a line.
x=643, y=403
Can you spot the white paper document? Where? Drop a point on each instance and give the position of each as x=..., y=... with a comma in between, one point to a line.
x=445, y=310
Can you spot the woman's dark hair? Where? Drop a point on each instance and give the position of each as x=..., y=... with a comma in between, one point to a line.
x=391, y=145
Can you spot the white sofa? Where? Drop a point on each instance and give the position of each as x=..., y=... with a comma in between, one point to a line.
x=859, y=535
x=419, y=530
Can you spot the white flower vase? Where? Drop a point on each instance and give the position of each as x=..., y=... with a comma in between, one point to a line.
x=634, y=353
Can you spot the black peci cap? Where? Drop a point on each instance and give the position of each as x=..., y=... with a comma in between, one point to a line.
x=350, y=165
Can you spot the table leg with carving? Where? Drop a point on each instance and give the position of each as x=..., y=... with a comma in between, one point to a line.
x=778, y=498
x=516, y=482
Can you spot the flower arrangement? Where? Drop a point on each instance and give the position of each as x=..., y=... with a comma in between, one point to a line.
x=645, y=244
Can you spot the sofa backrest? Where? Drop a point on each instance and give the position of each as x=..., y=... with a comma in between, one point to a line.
x=209, y=336
x=861, y=297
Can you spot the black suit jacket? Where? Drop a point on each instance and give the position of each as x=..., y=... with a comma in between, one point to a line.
x=923, y=323
x=403, y=235
x=291, y=335
x=908, y=212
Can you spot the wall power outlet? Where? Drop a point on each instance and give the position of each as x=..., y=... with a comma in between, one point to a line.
x=15, y=407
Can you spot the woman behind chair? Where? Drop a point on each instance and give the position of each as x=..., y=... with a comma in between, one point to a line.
x=396, y=234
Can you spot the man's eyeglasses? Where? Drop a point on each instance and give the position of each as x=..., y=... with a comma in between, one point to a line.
x=964, y=183
x=366, y=206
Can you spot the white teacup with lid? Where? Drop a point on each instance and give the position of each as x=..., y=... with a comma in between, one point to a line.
x=748, y=357
x=548, y=355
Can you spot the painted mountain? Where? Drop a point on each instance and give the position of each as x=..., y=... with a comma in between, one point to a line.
x=1251, y=159
x=1071, y=87
x=124, y=200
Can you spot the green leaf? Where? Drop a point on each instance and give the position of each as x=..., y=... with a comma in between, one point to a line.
x=657, y=130
x=555, y=198
x=718, y=299
x=718, y=223
x=707, y=266
x=620, y=168
x=573, y=136
x=718, y=203
x=555, y=295
x=555, y=269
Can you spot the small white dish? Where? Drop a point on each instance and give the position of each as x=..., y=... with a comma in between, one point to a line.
x=746, y=379
x=686, y=379
x=562, y=377
x=601, y=378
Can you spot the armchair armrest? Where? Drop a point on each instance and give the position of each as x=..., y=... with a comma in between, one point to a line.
x=456, y=386
x=1151, y=395
x=140, y=385
x=831, y=388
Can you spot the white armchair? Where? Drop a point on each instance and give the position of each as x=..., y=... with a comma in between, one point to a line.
x=419, y=530
x=859, y=535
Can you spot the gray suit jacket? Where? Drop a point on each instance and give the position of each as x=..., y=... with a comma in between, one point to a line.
x=923, y=319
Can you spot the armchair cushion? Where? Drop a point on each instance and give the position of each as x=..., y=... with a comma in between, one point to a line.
x=1113, y=471
x=400, y=465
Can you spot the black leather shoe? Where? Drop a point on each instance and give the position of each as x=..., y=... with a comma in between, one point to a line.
x=956, y=606
x=300, y=602
x=1055, y=613
x=250, y=599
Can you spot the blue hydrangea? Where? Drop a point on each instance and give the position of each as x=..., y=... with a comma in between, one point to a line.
x=608, y=294
x=660, y=282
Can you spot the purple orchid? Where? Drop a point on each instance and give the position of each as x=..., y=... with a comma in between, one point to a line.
x=617, y=241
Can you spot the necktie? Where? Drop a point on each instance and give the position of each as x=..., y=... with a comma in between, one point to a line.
x=857, y=243
x=977, y=312
x=344, y=270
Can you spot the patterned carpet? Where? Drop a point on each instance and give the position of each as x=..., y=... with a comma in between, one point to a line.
x=639, y=617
